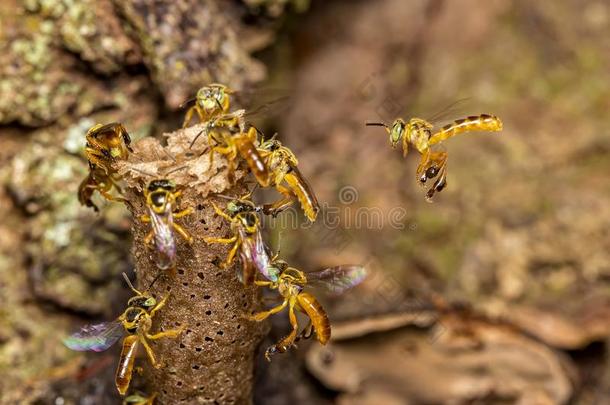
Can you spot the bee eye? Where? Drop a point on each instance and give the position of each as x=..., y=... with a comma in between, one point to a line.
x=150, y=302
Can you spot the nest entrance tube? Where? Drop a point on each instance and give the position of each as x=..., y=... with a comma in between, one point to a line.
x=212, y=361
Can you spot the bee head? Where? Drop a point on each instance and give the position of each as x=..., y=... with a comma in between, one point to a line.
x=213, y=98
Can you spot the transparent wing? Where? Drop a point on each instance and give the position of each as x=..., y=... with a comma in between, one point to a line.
x=454, y=109
x=165, y=243
x=338, y=279
x=255, y=256
x=97, y=338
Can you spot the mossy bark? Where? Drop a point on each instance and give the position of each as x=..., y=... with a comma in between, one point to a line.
x=212, y=361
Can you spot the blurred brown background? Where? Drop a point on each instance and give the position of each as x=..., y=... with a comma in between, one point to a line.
x=496, y=293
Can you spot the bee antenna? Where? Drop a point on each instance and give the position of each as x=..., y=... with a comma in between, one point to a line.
x=154, y=281
x=226, y=197
x=176, y=169
x=172, y=157
x=196, y=137
x=129, y=284
x=190, y=100
x=375, y=124
x=143, y=172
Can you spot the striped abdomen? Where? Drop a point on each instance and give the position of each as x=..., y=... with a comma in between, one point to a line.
x=310, y=305
x=125, y=368
x=483, y=122
x=255, y=162
x=301, y=188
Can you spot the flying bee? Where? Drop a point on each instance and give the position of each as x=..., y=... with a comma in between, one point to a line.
x=134, y=325
x=291, y=283
x=161, y=196
x=247, y=238
x=419, y=134
x=282, y=163
x=211, y=101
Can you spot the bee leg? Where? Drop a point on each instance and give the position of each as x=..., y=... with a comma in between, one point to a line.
x=159, y=305
x=405, y=146
x=288, y=341
x=221, y=213
x=224, y=241
x=439, y=163
x=306, y=333
x=230, y=256
x=183, y=233
x=262, y=283
x=172, y=334
x=280, y=205
x=149, y=351
x=188, y=117
x=148, y=239
x=261, y=316
x=420, y=174
x=183, y=213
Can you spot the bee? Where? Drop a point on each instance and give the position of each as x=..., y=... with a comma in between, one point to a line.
x=134, y=325
x=211, y=101
x=161, y=196
x=282, y=164
x=104, y=145
x=231, y=141
x=290, y=283
x=419, y=134
x=139, y=399
x=242, y=215
x=97, y=180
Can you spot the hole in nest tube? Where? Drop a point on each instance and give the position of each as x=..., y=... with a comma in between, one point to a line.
x=220, y=333
x=208, y=339
x=188, y=331
x=226, y=305
x=196, y=367
x=185, y=284
x=198, y=349
x=192, y=295
x=207, y=297
x=198, y=324
x=182, y=346
x=169, y=288
x=181, y=272
x=200, y=207
x=239, y=326
x=208, y=312
x=179, y=383
x=200, y=275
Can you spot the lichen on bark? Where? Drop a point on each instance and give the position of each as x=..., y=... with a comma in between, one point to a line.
x=213, y=359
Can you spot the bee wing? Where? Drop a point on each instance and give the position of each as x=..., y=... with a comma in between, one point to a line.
x=262, y=103
x=255, y=256
x=164, y=238
x=336, y=280
x=450, y=110
x=97, y=338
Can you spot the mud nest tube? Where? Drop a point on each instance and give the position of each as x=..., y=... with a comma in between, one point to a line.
x=212, y=361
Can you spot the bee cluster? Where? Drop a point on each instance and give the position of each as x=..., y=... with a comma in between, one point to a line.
x=243, y=147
